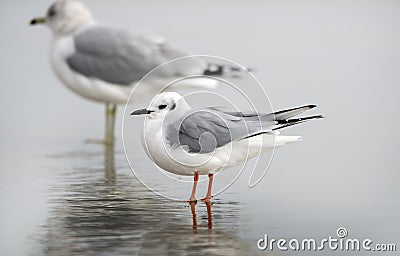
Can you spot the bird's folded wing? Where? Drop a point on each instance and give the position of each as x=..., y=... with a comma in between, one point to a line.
x=122, y=57
x=205, y=130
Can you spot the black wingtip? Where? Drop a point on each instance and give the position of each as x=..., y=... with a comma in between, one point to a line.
x=289, y=122
x=309, y=106
x=317, y=117
x=306, y=118
x=216, y=71
x=219, y=70
x=304, y=108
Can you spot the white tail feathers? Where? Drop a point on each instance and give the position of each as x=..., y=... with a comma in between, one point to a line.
x=283, y=140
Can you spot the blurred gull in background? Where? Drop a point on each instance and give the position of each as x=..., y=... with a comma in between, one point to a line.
x=188, y=141
x=104, y=63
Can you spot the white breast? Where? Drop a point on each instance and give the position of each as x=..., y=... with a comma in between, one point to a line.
x=160, y=151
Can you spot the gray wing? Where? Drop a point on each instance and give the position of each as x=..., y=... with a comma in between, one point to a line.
x=122, y=57
x=205, y=130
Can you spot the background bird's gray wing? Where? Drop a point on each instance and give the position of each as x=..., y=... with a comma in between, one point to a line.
x=205, y=130
x=122, y=57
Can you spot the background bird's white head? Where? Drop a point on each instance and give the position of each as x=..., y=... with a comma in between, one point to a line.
x=163, y=104
x=65, y=17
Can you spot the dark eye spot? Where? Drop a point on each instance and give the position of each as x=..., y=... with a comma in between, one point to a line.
x=52, y=11
x=162, y=106
x=173, y=106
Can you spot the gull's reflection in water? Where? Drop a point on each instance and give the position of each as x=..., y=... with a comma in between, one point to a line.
x=209, y=214
x=109, y=162
x=92, y=213
x=201, y=238
x=194, y=216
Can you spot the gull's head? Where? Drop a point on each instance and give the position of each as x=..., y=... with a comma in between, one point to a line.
x=65, y=17
x=163, y=104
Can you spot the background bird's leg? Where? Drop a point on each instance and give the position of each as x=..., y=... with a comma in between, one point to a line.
x=210, y=181
x=193, y=195
x=111, y=110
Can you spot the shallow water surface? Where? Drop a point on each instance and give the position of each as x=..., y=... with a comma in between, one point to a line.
x=95, y=211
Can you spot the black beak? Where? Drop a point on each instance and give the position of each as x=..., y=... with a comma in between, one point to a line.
x=141, y=112
x=37, y=21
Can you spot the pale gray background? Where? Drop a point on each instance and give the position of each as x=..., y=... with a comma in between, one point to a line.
x=343, y=56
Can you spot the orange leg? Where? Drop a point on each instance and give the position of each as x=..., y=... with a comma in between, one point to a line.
x=210, y=181
x=193, y=195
